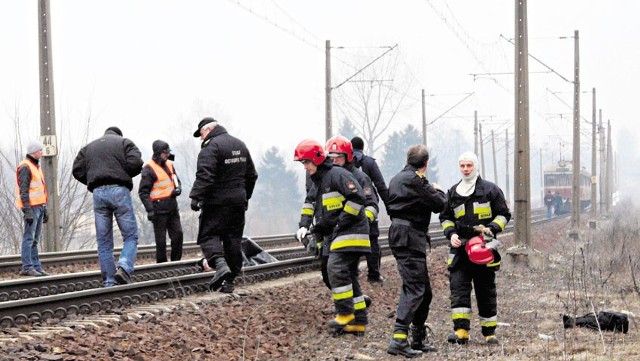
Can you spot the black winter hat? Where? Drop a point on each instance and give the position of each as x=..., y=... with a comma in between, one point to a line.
x=114, y=129
x=202, y=123
x=160, y=146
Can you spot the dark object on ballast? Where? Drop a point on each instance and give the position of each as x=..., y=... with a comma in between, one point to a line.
x=607, y=321
x=253, y=255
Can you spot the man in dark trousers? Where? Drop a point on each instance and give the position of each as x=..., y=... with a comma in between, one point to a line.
x=158, y=189
x=371, y=169
x=548, y=202
x=338, y=208
x=225, y=179
x=31, y=198
x=107, y=166
x=475, y=207
x=412, y=200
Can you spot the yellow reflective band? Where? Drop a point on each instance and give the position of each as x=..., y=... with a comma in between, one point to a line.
x=458, y=316
x=459, y=211
x=343, y=295
x=352, y=208
x=307, y=212
x=370, y=215
x=500, y=221
x=359, y=306
x=494, y=264
x=332, y=200
x=400, y=336
x=343, y=243
x=447, y=224
x=483, y=210
x=489, y=323
x=450, y=258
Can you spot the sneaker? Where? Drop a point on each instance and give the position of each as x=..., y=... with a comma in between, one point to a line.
x=122, y=277
x=227, y=287
x=43, y=273
x=31, y=272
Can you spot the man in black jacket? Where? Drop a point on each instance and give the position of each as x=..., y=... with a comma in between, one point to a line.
x=412, y=199
x=225, y=179
x=158, y=189
x=371, y=169
x=106, y=166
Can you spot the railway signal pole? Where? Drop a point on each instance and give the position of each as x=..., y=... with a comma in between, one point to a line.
x=49, y=161
x=575, y=189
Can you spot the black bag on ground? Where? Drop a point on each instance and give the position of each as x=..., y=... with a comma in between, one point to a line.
x=608, y=321
x=253, y=255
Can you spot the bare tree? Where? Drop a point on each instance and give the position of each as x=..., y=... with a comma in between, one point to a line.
x=375, y=97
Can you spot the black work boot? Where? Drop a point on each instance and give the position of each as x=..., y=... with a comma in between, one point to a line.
x=340, y=322
x=357, y=330
x=400, y=346
x=419, y=340
x=222, y=272
x=227, y=286
x=367, y=300
x=461, y=337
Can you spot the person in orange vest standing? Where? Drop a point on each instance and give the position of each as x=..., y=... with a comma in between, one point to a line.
x=31, y=197
x=158, y=189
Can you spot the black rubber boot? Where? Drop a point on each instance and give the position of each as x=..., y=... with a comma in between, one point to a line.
x=419, y=340
x=461, y=337
x=367, y=300
x=227, y=286
x=222, y=272
x=340, y=322
x=400, y=346
x=357, y=330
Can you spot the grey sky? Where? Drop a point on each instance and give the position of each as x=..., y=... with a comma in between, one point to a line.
x=151, y=66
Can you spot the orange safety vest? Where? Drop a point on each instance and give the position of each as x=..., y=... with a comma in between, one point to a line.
x=163, y=186
x=37, y=188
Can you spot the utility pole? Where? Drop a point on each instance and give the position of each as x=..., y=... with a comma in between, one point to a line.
x=603, y=169
x=594, y=195
x=609, y=168
x=424, y=129
x=493, y=151
x=522, y=179
x=575, y=189
x=481, y=144
x=49, y=161
x=541, y=181
x=327, y=91
x=475, y=132
x=506, y=168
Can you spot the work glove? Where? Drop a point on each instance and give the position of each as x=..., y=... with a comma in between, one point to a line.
x=151, y=216
x=45, y=215
x=485, y=231
x=455, y=241
x=313, y=244
x=301, y=233
x=27, y=215
x=176, y=192
x=195, y=205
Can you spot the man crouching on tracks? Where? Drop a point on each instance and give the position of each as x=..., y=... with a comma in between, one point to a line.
x=411, y=201
x=342, y=224
x=107, y=166
x=225, y=179
x=475, y=213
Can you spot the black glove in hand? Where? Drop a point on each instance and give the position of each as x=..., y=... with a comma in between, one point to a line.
x=176, y=192
x=195, y=205
x=27, y=215
x=45, y=216
x=151, y=216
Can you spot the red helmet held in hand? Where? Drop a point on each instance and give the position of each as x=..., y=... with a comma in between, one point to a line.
x=310, y=150
x=340, y=144
x=478, y=253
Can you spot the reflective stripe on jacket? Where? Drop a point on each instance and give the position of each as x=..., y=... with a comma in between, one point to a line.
x=163, y=186
x=37, y=189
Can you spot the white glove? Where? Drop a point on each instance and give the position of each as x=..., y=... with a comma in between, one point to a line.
x=455, y=240
x=301, y=233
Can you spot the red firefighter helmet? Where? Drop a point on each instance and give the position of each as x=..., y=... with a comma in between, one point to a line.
x=478, y=253
x=311, y=150
x=340, y=144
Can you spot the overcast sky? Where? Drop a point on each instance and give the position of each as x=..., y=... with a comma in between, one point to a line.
x=155, y=67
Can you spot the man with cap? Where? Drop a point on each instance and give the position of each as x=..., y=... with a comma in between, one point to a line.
x=106, y=166
x=31, y=198
x=476, y=211
x=158, y=189
x=370, y=167
x=225, y=179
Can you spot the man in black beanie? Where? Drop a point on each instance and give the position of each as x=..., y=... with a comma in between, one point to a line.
x=158, y=189
x=370, y=168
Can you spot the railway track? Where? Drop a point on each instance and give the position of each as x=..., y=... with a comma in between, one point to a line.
x=34, y=300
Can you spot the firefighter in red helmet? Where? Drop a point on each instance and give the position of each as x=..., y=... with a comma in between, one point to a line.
x=337, y=206
x=476, y=211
